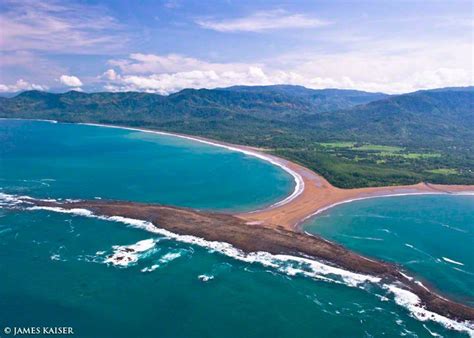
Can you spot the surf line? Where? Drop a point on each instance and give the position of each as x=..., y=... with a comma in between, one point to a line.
x=382, y=195
x=299, y=182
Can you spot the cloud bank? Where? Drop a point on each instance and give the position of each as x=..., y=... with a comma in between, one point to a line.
x=21, y=85
x=374, y=70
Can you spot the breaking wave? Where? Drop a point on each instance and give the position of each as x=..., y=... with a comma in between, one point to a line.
x=287, y=264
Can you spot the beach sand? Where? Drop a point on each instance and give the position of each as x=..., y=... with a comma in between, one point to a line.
x=312, y=193
x=319, y=195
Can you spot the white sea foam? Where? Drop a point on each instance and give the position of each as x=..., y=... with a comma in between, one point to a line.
x=321, y=210
x=205, y=278
x=454, y=228
x=10, y=200
x=452, y=261
x=20, y=119
x=464, y=271
x=364, y=238
x=285, y=263
x=412, y=302
x=55, y=257
x=465, y=193
x=170, y=256
x=434, y=334
x=299, y=183
x=290, y=265
x=75, y=211
x=13, y=200
x=151, y=268
x=422, y=285
x=125, y=255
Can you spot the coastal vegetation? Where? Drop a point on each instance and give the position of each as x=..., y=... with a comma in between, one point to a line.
x=352, y=138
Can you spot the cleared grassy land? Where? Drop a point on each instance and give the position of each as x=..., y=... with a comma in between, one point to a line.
x=411, y=155
x=444, y=171
x=338, y=144
x=379, y=148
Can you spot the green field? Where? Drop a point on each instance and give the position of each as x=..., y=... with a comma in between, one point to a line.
x=444, y=171
x=352, y=138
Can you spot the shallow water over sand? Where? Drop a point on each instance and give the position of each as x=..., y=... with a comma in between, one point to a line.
x=431, y=236
x=166, y=288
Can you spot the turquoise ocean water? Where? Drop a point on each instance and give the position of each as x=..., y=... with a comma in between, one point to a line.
x=430, y=235
x=53, y=268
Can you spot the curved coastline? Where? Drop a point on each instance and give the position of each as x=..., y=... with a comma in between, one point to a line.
x=323, y=209
x=312, y=193
x=299, y=182
x=314, y=256
x=247, y=150
x=312, y=196
x=304, y=178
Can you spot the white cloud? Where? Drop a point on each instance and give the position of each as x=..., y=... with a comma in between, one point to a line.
x=70, y=81
x=173, y=82
x=21, y=85
x=110, y=74
x=397, y=69
x=262, y=21
x=54, y=26
x=150, y=63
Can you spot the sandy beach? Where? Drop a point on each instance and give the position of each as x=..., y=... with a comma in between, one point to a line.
x=319, y=195
x=274, y=231
x=312, y=193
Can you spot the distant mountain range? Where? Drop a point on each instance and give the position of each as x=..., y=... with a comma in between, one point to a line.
x=277, y=117
x=268, y=102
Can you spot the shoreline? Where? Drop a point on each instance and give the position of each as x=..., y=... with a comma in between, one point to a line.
x=276, y=229
x=270, y=246
x=312, y=193
x=247, y=150
x=309, y=186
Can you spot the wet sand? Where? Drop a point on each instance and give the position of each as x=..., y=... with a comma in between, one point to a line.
x=275, y=229
x=319, y=195
x=312, y=193
x=249, y=238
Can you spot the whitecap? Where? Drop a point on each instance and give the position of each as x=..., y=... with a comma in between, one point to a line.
x=464, y=271
x=412, y=303
x=125, y=255
x=151, y=268
x=170, y=257
x=454, y=228
x=75, y=211
x=205, y=278
x=364, y=238
x=288, y=264
x=452, y=261
x=57, y=257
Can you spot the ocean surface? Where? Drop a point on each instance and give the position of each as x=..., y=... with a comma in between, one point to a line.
x=56, y=160
x=55, y=271
x=431, y=236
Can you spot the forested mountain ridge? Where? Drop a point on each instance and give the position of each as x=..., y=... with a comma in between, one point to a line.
x=267, y=102
x=353, y=138
x=416, y=119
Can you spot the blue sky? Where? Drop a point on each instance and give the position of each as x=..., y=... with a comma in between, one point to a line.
x=165, y=46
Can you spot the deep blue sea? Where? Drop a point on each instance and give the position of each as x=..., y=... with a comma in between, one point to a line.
x=54, y=269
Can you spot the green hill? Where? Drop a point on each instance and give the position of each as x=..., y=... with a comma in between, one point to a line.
x=353, y=138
